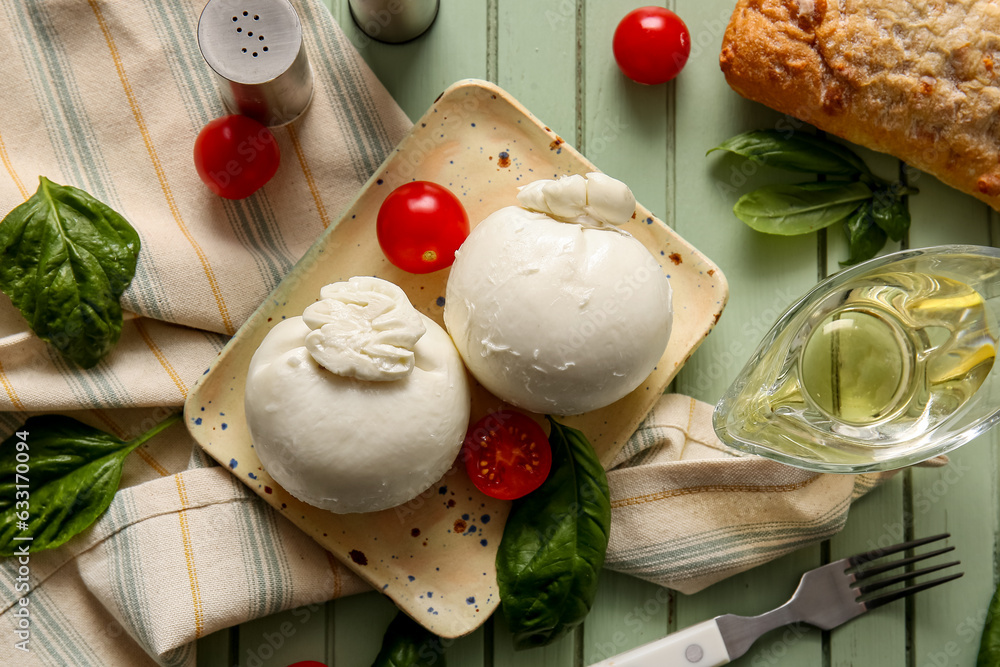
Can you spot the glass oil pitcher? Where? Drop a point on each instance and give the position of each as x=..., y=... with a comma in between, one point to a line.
x=882, y=365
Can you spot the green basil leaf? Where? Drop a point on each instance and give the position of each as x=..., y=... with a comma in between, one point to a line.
x=890, y=214
x=989, y=646
x=798, y=151
x=407, y=644
x=65, y=259
x=554, y=544
x=57, y=475
x=864, y=237
x=800, y=209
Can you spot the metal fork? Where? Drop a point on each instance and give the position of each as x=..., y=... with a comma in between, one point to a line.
x=826, y=597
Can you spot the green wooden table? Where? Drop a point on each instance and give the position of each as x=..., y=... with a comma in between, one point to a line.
x=555, y=57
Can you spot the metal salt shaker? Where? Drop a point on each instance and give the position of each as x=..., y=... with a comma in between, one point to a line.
x=394, y=21
x=255, y=48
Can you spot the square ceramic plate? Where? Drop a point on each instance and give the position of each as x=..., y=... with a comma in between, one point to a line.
x=434, y=556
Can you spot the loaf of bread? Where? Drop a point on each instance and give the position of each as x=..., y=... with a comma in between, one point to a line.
x=918, y=79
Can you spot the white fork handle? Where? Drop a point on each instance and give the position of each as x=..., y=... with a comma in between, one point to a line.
x=698, y=646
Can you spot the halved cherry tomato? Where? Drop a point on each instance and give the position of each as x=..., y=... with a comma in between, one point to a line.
x=235, y=156
x=651, y=45
x=420, y=226
x=507, y=455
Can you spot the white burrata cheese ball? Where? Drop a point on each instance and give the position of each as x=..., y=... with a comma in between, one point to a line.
x=552, y=307
x=361, y=403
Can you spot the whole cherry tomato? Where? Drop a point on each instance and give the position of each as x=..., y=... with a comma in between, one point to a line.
x=651, y=45
x=507, y=455
x=307, y=663
x=420, y=226
x=235, y=156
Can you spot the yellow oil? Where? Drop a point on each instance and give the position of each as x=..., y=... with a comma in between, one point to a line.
x=914, y=346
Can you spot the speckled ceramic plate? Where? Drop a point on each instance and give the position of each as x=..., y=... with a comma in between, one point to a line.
x=434, y=556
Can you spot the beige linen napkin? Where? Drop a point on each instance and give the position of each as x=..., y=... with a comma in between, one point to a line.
x=108, y=96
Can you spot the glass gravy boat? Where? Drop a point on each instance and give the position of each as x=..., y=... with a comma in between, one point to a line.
x=885, y=364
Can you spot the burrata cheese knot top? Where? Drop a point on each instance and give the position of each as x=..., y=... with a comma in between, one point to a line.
x=361, y=403
x=552, y=306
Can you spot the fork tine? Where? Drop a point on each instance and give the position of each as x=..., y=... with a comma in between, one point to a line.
x=891, y=596
x=903, y=576
x=867, y=556
x=864, y=573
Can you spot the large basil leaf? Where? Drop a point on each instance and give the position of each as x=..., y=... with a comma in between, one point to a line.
x=57, y=475
x=407, y=644
x=796, y=152
x=554, y=544
x=65, y=259
x=864, y=237
x=989, y=646
x=802, y=208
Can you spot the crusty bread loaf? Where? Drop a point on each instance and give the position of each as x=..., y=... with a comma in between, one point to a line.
x=919, y=79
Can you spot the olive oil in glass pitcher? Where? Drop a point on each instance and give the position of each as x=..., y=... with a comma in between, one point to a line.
x=882, y=365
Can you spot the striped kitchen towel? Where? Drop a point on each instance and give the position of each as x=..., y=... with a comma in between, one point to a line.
x=108, y=95
x=688, y=511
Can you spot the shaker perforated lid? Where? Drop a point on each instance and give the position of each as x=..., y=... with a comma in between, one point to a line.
x=256, y=49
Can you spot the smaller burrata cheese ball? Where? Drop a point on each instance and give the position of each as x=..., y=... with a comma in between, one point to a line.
x=553, y=308
x=360, y=404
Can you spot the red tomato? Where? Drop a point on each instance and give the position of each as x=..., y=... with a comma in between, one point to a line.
x=307, y=663
x=420, y=226
x=651, y=45
x=507, y=455
x=235, y=156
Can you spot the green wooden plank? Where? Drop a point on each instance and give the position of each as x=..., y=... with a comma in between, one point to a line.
x=536, y=36
x=213, y=649
x=877, y=520
x=526, y=45
x=283, y=638
x=628, y=612
x=940, y=215
x=960, y=498
x=416, y=72
x=766, y=274
x=359, y=623
x=878, y=638
x=627, y=127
